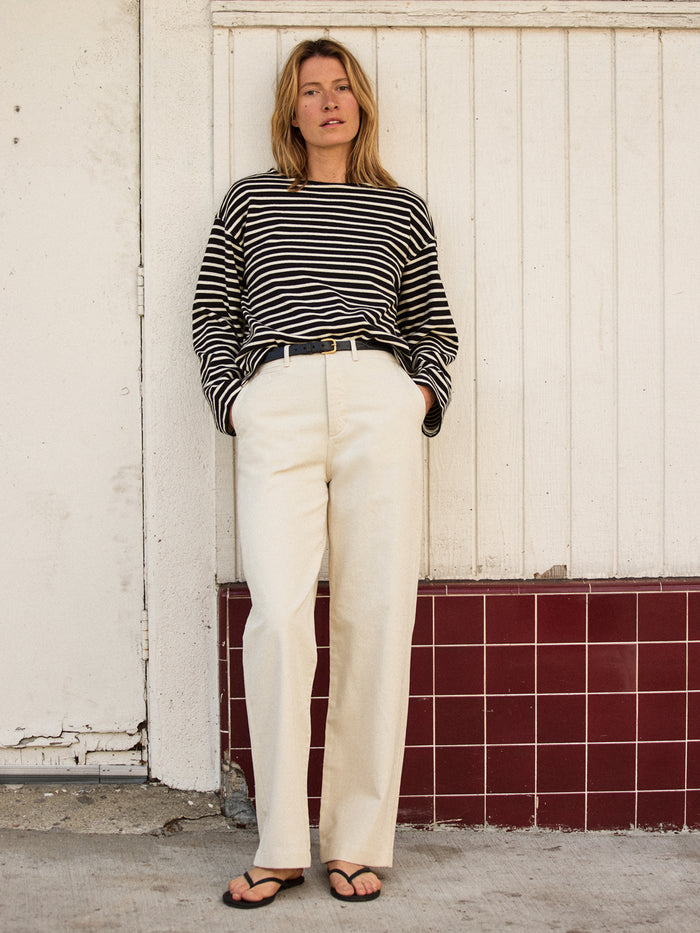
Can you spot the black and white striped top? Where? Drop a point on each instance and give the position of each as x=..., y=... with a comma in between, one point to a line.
x=331, y=260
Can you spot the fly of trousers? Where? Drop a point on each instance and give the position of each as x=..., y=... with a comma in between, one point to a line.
x=329, y=447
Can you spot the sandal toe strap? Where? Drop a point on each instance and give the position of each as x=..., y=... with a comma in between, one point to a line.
x=350, y=878
x=254, y=884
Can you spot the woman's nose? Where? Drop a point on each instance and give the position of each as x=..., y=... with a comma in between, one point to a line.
x=330, y=103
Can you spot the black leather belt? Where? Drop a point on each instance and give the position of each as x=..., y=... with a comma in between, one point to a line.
x=326, y=346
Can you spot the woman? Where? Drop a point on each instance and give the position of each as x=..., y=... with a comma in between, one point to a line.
x=324, y=334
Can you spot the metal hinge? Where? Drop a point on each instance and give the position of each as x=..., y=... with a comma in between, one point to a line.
x=144, y=635
x=140, y=301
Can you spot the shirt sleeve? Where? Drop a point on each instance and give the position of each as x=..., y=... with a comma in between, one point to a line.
x=425, y=321
x=218, y=326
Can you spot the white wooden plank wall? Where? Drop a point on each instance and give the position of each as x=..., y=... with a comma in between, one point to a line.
x=560, y=168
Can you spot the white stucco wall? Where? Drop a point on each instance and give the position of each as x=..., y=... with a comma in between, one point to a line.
x=179, y=457
x=71, y=553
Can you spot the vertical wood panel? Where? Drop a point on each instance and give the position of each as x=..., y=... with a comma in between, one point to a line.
x=401, y=99
x=681, y=85
x=451, y=200
x=252, y=100
x=593, y=408
x=639, y=318
x=545, y=301
x=402, y=138
x=498, y=303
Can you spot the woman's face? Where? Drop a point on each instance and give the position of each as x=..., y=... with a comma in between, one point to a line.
x=326, y=113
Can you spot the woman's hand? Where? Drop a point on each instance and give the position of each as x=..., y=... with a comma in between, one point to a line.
x=428, y=395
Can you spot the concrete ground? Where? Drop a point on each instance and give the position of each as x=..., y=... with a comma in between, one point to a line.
x=146, y=859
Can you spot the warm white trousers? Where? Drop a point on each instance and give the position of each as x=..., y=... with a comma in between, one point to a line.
x=329, y=445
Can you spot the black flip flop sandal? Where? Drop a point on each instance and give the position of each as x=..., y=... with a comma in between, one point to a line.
x=263, y=902
x=349, y=878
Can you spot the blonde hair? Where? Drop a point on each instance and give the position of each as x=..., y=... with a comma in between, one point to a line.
x=288, y=146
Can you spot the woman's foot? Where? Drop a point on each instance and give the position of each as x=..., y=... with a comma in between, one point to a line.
x=241, y=890
x=366, y=885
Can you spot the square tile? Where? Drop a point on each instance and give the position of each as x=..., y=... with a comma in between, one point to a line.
x=459, y=720
x=661, y=766
x=510, y=769
x=662, y=667
x=224, y=686
x=694, y=665
x=661, y=811
x=662, y=616
x=419, y=730
x=319, y=710
x=422, y=660
x=222, y=617
x=561, y=668
x=459, y=770
x=467, y=810
x=423, y=628
x=224, y=719
x=612, y=617
x=510, y=720
x=321, y=677
x=561, y=768
x=416, y=810
x=510, y=811
x=417, y=777
x=510, y=620
x=662, y=716
x=237, y=609
x=431, y=588
x=611, y=767
x=459, y=620
x=561, y=618
x=510, y=669
x=612, y=668
x=315, y=779
x=561, y=718
x=459, y=670
x=235, y=674
x=321, y=621
x=612, y=717
x=611, y=811
x=314, y=811
x=238, y=724
x=692, y=809
x=562, y=811
x=694, y=715
x=694, y=616
x=693, y=765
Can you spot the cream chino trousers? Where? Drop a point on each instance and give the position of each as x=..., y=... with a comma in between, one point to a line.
x=329, y=445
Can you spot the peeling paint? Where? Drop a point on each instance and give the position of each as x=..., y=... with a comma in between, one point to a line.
x=76, y=748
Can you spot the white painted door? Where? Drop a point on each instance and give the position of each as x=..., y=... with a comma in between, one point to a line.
x=72, y=672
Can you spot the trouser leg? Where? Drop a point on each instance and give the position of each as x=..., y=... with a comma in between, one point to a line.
x=281, y=505
x=375, y=531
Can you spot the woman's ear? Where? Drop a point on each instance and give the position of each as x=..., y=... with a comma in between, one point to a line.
x=294, y=119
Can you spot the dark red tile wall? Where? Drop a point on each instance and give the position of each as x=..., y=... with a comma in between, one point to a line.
x=572, y=705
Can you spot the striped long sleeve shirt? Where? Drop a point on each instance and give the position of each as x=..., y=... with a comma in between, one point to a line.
x=330, y=260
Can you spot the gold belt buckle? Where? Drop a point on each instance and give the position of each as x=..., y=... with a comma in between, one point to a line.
x=329, y=340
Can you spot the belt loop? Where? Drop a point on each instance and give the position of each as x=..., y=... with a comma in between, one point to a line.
x=353, y=347
x=286, y=354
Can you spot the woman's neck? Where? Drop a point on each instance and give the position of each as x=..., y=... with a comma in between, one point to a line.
x=327, y=166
